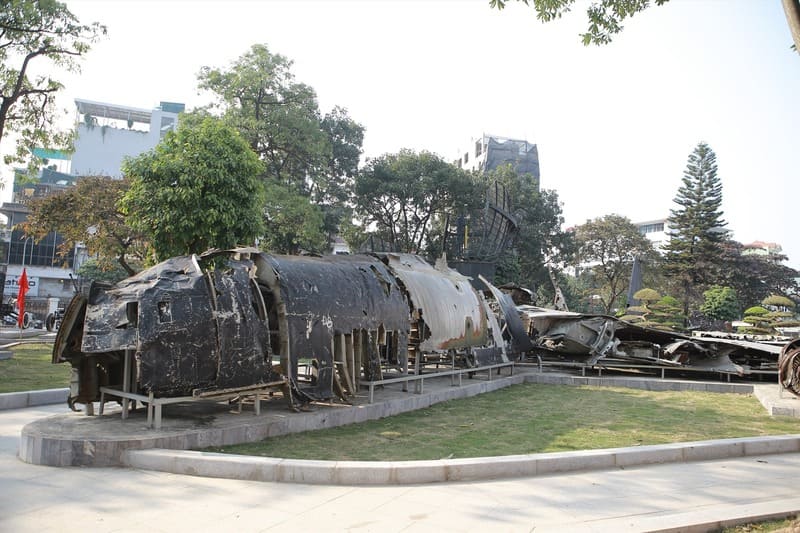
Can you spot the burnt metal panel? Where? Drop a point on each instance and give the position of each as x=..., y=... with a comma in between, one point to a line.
x=520, y=341
x=789, y=367
x=590, y=339
x=190, y=331
x=326, y=296
x=445, y=300
x=243, y=336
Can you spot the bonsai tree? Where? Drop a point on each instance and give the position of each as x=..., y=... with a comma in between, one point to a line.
x=637, y=314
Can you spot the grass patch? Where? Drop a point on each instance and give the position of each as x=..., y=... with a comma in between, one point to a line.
x=532, y=418
x=787, y=525
x=31, y=369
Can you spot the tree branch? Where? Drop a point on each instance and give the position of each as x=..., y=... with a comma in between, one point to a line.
x=792, y=10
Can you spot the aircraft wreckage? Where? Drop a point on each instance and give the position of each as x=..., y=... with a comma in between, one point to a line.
x=317, y=326
x=321, y=327
x=606, y=341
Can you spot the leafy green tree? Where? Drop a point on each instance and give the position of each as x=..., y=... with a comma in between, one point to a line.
x=766, y=322
x=754, y=277
x=346, y=136
x=778, y=300
x=693, y=255
x=610, y=244
x=292, y=223
x=281, y=120
x=317, y=156
x=606, y=16
x=656, y=311
x=95, y=270
x=88, y=213
x=666, y=314
x=407, y=195
x=540, y=243
x=720, y=303
x=37, y=36
x=197, y=189
x=278, y=116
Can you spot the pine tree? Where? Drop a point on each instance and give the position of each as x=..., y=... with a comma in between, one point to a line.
x=694, y=252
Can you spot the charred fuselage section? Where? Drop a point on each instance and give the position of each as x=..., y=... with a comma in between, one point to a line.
x=242, y=318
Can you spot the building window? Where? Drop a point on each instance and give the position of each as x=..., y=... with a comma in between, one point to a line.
x=167, y=124
x=651, y=228
x=478, y=148
x=466, y=158
x=25, y=251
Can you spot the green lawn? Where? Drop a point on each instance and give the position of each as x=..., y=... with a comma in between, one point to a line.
x=31, y=369
x=533, y=418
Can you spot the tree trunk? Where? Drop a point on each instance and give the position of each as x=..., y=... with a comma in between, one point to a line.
x=792, y=10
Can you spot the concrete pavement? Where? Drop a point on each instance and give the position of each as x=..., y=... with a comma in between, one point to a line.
x=697, y=496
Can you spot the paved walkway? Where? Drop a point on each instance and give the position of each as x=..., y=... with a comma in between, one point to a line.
x=677, y=497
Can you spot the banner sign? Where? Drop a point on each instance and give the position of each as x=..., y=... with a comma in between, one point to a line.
x=12, y=286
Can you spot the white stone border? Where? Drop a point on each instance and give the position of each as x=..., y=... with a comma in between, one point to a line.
x=473, y=469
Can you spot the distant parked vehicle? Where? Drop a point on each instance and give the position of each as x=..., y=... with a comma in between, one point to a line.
x=53, y=320
x=10, y=317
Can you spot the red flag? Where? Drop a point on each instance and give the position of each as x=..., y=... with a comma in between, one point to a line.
x=23, y=289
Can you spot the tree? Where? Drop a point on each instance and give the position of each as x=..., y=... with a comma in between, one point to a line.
x=406, y=195
x=197, y=189
x=94, y=270
x=88, y=213
x=609, y=245
x=720, y=303
x=755, y=277
x=693, y=255
x=280, y=118
x=37, y=37
x=779, y=301
x=346, y=136
x=292, y=223
x=606, y=16
x=540, y=243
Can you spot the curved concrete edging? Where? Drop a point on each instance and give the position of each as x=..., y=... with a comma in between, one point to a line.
x=472, y=469
x=20, y=400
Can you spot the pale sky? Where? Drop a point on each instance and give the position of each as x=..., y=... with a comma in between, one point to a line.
x=614, y=124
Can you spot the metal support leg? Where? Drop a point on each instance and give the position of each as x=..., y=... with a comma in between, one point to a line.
x=126, y=382
x=150, y=410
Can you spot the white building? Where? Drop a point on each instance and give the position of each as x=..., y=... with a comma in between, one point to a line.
x=107, y=133
x=655, y=231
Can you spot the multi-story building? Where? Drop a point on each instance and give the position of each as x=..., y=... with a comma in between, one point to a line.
x=488, y=152
x=761, y=248
x=655, y=231
x=105, y=135
x=476, y=240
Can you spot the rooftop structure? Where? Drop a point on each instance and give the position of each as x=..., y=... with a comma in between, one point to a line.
x=107, y=133
x=489, y=152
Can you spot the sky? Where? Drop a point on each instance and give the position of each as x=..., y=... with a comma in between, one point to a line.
x=614, y=125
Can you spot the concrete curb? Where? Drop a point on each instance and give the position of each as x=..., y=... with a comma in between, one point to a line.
x=473, y=469
x=643, y=383
x=20, y=400
x=776, y=403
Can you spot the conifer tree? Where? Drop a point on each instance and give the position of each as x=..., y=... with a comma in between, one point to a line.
x=696, y=228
